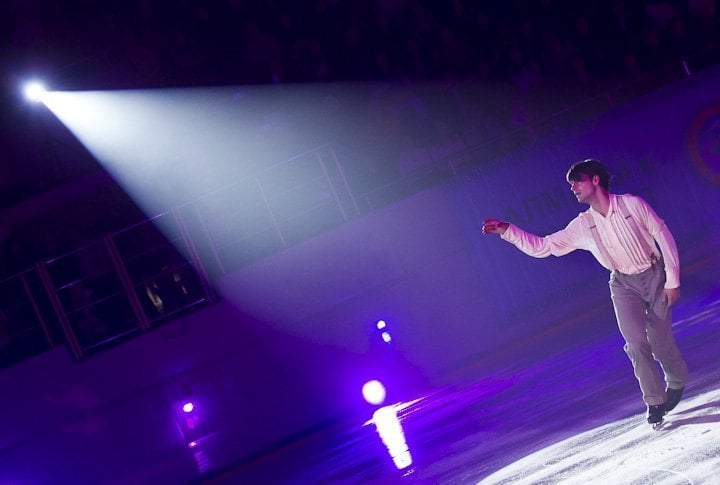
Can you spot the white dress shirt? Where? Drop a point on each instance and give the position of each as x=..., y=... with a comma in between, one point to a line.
x=626, y=255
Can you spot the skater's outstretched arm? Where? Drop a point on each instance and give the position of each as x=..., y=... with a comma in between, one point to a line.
x=556, y=244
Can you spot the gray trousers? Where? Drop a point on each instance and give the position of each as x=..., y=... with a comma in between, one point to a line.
x=645, y=322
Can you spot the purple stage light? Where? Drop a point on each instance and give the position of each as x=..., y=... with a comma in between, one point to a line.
x=374, y=392
x=382, y=326
x=188, y=407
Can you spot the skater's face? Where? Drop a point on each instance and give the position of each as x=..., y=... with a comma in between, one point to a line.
x=585, y=187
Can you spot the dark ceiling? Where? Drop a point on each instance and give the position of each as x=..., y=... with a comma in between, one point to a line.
x=95, y=44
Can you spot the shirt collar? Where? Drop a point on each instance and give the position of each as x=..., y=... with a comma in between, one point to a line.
x=613, y=204
x=611, y=208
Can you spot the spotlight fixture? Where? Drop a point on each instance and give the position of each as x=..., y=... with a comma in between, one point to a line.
x=35, y=91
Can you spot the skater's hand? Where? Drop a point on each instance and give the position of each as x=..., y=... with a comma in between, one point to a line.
x=671, y=295
x=493, y=226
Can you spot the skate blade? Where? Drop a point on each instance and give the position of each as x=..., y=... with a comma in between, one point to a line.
x=657, y=426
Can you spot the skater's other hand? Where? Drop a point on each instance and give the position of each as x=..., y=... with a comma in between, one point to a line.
x=493, y=226
x=671, y=295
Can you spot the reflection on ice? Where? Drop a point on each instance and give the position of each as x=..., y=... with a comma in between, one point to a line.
x=389, y=427
x=391, y=432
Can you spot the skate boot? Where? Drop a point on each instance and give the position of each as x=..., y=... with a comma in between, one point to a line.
x=673, y=398
x=655, y=414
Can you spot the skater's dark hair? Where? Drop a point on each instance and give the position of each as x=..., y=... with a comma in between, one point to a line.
x=589, y=167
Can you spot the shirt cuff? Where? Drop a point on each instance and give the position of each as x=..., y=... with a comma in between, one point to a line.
x=509, y=234
x=672, y=279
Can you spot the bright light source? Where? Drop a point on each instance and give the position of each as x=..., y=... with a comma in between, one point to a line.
x=192, y=444
x=374, y=392
x=381, y=324
x=35, y=91
x=386, y=337
x=188, y=407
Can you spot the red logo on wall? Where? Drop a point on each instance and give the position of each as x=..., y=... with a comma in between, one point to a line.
x=704, y=143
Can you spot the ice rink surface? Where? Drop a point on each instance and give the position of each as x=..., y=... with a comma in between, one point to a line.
x=552, y=410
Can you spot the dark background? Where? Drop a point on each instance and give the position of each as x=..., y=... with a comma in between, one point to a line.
x=543, y=56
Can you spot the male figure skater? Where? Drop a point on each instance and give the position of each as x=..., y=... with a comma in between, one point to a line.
x=621, y=232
